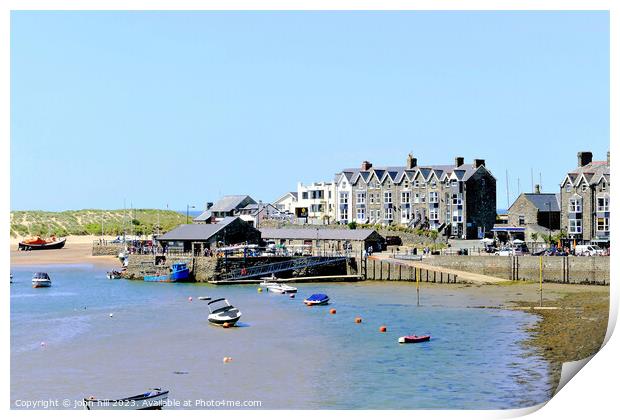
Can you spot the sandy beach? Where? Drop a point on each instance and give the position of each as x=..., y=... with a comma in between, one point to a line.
x=77, y=250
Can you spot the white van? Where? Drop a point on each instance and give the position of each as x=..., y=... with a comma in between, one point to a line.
x=588, y=250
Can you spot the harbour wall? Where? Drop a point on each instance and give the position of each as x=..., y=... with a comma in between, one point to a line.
x=109, y=249
x=582, y=270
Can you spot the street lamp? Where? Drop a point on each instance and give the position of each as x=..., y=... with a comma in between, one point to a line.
x=187, y=213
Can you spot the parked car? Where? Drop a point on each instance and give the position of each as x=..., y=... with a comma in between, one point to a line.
x=510, y=251
x=393, y=240
x=551, y=251
x=588, y=250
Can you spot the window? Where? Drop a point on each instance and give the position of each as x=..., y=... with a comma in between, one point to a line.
x=406, y=184
x=521, y=220
x=388, y=213
x=416, y=197
x=433, y=197
x=568, y=188
x=416, y=183
x=434, y=184
x=602, y=224
x=361, y=213
x=387, y=197
x=433, y=214
x=454, y=182
x=457, y=217
x=602, y=204
x=344, y=198
x=405, y=197
x=422, y=184
x=457, y=200
x=304, y=195
x=316, y=208
x=405, y=214
x=574, y=226
x=372, y=198
x=361, y=198
x=422, y=198
x=603, y=186
x=574, y=205
x=584, y=188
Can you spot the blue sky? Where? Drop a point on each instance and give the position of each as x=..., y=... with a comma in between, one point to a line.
x=170, y=108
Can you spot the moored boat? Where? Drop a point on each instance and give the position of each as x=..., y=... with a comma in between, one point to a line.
x=281, y=288
x=154, y=399
x=40, y=243
x=222, y=312
x=178, y=272
x=113, y=275
x=317, y=299
x=41, y=279
x=414, y=338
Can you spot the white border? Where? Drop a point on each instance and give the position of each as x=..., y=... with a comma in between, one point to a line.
x=592, y=394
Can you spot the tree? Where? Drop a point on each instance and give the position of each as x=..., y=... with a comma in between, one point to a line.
x=534, y=236
x=352, y=225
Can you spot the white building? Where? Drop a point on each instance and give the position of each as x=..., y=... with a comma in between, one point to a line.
x=316, y=203
x=287, y=202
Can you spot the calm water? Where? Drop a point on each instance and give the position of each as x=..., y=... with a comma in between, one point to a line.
x=284, y=354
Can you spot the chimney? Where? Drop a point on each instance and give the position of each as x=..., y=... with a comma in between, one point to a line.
x=411, y=161
x=608, y=158
x=366, y=165
x=537, y=189
x=208, y=206
x=583, y=158
x=458, y=161
x=478, y=163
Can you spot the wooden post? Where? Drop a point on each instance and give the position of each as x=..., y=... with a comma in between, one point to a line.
x=541, y=279
x=417, y=287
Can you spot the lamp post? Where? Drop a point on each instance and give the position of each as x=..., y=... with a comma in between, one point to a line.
x=187, y=213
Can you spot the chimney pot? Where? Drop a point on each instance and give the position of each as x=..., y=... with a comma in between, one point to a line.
x=478, y=163
x=537, y=188
x=608, y=157
x=458, y=161
x=411, y=161
x=583, y=158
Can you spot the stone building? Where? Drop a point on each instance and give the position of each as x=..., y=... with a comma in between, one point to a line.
x=538, y=212
x=457, y=200
x=328, y=240
x=199, y=237
x=227, y=206
x=584, y=197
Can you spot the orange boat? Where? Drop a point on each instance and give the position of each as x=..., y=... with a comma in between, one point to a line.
x=40, y=243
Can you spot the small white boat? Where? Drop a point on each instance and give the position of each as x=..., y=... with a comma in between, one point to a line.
x=204, y=298
x=281, y=288
x=113, y=275
x=154, y=399
x=222, y=312
x=41, y=280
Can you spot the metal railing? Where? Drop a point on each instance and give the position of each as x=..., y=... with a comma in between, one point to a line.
x=277, y=267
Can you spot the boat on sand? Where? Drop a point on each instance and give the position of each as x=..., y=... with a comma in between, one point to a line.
x=39, y=243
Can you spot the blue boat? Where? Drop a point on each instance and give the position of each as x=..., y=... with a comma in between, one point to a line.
x=178, y=272
x=317, y=299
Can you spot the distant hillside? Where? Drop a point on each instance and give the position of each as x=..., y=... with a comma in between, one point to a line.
x=88, y=222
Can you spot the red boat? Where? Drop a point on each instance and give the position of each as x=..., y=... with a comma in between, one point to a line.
x=40, y=243
x=414, y=338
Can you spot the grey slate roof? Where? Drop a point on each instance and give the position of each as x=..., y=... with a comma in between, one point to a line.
x=230, y=203
x=205, y=215
x=540, y=201
x=396, y=173
x=199, y=232
x=323, y=234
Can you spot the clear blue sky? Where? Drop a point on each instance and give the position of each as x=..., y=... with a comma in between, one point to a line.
x=170, y=108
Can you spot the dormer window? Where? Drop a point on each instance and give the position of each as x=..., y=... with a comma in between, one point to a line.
x=568, y=188
x=584, y=188
x=603, y=186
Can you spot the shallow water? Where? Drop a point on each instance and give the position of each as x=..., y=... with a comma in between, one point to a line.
x=284, y=354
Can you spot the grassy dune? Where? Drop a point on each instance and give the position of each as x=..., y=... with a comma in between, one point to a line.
x=88, y=222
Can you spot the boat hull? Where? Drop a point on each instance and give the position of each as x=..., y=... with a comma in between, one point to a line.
x=414, y=339
x=49, y=245
x=175, y=276
x=221, y=320
x=139, y=402
x=41, y=283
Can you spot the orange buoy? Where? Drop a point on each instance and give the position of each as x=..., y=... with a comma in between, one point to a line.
x=358, y=320
x=382, y=328
x=226, y=325
x=332, y=311
x=227, y=359
x=189, y=299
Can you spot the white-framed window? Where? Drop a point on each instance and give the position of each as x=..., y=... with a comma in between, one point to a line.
x=434, y=184
x=405, y=197
x=457, y=199
x=457, y=217
x=574, y=205
x=422, y=184
x=388, y=213
x=387, y=197
x=416, y=198
x=433, y=197
x=584, y=187
x=361, y=197
x=422, y=198
x=344, y=198
x=405, y=214
x=433, y=214
x=602, y=224
x=416, y=183
x=603, y=186
x=574, y=226
x=361, y=213
x=602, y=204
x=521, y=220
x=316, y=208
x=568, y=188
x=406, y=184
x=454, y=182
x=371, y=198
